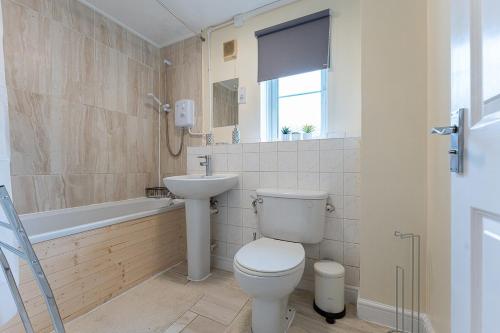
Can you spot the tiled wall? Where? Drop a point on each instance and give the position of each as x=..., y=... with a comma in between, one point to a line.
x=83, y=130
x=183, y=80
x=331, y=165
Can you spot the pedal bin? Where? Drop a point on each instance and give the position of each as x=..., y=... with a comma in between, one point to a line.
x=329, y=290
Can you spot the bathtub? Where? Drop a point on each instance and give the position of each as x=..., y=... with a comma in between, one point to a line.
x=53, y=224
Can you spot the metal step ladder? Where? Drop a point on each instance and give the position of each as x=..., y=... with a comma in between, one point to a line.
x=27, y=253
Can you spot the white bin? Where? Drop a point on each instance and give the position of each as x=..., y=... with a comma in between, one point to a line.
x=329, y=290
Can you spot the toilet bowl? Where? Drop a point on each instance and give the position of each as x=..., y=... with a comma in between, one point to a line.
x=269, y=270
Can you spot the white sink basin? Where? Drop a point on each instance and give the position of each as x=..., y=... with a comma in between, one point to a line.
x=200, y=186
x=197, y=190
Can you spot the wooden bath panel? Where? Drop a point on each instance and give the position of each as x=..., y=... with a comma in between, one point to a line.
x=89, y=268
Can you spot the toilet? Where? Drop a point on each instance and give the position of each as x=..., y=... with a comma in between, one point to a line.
x=269, y=268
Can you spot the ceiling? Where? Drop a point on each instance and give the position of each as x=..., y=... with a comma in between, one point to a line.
x=153, y=22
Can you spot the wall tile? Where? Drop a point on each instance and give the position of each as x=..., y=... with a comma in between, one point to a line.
x=308, y=181
x=287, y=146
x=352, y=183
x=234, y=234
x=332, y=250
x=248, y=235
x=287, y=180
x=67, y=72
x=250, y=219
x=110, y=34
x=269, y=179
x=268, y=161
x=330, y=144
x=74, y=15
x=312, y=251
x=232, y=249
x=307, y=145
x=334, y=229
x=235, y=149
x=234, y=198
x=352, y=143
x=351, y=160
x=251, y=147
x=351, y=231
x=308, y=161
x=221, y=217
x=220, y=249
x=351, y=254
x=234, y=216
x=234, y=162
x=352, y=206
x=24, y=200
x=219, y=232
x=250, y=180
x=287, y=161
x=219, y=149
x=219, y=162
x=331, y=161
x=331, y=183
x=266, y=147
x=247, y=196
x=352, y=276
x=250, y=161
x=26, y=47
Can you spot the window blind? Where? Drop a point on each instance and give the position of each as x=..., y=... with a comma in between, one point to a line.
x=294, y=47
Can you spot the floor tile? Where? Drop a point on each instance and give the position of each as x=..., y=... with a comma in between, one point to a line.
x=182, y=322
x=204, y=325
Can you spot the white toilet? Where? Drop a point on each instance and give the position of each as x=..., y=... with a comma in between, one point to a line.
x=271, y=267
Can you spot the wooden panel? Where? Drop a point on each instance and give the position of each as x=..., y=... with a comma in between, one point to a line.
x=89, y=268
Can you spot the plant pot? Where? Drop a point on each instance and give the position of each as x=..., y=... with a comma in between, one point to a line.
x=286, y=137
x=307, y=136
x=296, y=136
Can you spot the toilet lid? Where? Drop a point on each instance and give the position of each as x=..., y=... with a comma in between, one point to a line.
x=268, y=255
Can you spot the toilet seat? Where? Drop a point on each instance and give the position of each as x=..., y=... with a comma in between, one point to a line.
x=270, y=257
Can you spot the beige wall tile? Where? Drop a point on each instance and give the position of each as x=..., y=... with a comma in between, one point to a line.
x=49, y=192
x=27, y=48
x=44, y=7
x=82, y=127
x=109, y=33
x=134, y=47
x=74, y=15
x=23, y=195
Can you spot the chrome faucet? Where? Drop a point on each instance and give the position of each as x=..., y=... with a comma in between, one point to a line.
x=207, y=163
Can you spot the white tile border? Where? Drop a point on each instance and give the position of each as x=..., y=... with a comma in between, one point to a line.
x=383, y=314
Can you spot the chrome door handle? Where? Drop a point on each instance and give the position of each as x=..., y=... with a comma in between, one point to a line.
x=456, y=133
x=448, y=130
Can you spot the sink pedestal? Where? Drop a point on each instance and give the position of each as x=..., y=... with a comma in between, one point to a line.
x=198, y=238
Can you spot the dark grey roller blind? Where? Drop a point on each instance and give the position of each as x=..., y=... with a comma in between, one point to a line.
x=294, y=47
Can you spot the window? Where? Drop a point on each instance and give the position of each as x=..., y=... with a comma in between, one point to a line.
x=295, y=101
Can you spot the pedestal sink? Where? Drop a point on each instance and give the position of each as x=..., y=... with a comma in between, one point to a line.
x=197, y=190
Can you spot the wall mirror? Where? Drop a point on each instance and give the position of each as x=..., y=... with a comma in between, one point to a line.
x=225, y=103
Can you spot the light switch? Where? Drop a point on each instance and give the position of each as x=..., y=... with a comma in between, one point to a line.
x=242, y=95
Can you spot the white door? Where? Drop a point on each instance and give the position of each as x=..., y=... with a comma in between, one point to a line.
x=475, y=224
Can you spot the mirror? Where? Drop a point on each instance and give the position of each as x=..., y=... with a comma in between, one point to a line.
x=225, y=103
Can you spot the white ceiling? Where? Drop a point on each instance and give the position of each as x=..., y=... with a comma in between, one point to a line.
x=153, y=22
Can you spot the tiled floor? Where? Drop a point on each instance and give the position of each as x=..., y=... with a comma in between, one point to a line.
x=169, y=303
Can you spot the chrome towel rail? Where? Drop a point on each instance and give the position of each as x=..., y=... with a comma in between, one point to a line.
x=27, y=253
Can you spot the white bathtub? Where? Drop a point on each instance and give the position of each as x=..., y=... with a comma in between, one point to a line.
x=63, y=222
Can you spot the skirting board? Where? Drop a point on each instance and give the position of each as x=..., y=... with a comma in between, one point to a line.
x=383, y=314
x=226, y=264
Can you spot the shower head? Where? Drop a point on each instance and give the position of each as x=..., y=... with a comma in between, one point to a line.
x=156, y=99
x=167, y=62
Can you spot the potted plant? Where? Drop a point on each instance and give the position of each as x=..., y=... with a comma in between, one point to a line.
x=308, y=131
x=285, y=133
x=296, y=136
